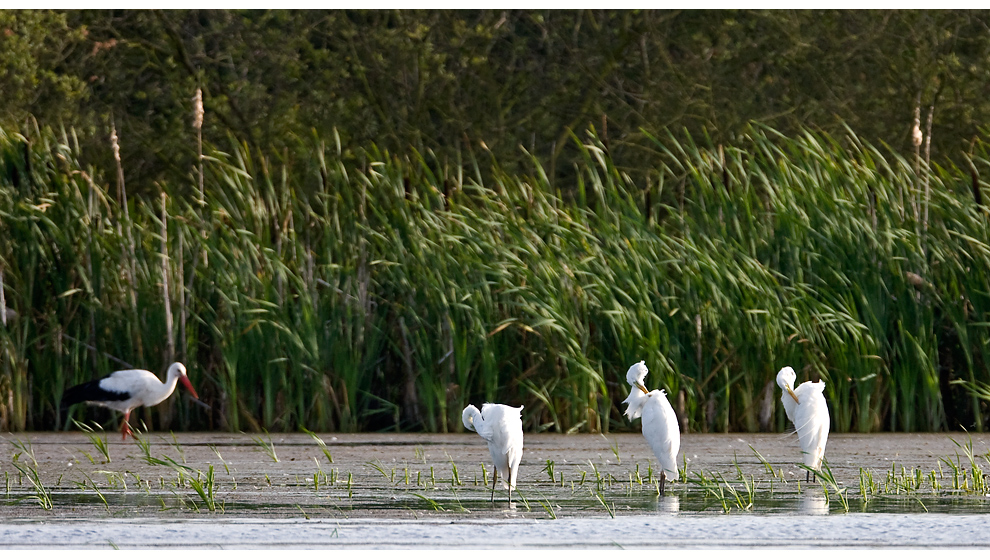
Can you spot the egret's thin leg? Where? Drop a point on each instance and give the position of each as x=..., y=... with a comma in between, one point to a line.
x=663, y=481
x=494, y=480
x=510, y=485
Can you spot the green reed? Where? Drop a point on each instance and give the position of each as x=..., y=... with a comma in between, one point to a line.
x=266, y=446
x=205, y=487
x=321, y=443
x=97, y=437
x=348, y=289
x=42, y=493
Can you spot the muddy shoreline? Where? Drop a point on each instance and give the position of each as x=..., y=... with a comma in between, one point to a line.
x=409, y=476
x=428, y=490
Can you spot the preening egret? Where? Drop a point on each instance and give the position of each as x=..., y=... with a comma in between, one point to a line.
x=806, y=409
x=501, y=426
x=128, y=389
x=659, y=421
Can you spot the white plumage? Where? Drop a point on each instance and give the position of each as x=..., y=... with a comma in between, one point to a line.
x=501, y=427
x=806, y=409
x=128, y=389
x=659, y=421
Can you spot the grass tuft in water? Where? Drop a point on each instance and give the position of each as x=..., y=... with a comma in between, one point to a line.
x=827, y=480
x=430, y=502
x=267, y=446
x=380, y=467
x=548, y=468
x=608, y=508
x=42, y=495
x=99, y=494
x=614, y=446
x=204, y=486
x=455, y=480
x=96, y=436
x=321, y=443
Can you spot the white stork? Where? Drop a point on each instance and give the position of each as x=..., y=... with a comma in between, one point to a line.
x=128, y=389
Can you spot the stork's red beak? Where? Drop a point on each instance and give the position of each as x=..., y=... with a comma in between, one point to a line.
x=185, y=381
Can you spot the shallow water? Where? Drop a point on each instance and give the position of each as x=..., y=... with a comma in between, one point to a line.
x=384, y=490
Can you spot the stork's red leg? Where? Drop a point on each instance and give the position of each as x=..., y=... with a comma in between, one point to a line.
x=125, y=428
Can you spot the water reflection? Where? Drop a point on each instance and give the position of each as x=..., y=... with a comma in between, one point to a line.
x=813, y=502
x=669, y=503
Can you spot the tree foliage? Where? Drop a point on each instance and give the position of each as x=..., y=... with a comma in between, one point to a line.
x=453, y=81
x=37, y=75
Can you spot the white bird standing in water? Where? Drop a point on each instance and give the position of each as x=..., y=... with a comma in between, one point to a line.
x=128, y=389
x=806, y=408
x=501, y=426
x=659, y=421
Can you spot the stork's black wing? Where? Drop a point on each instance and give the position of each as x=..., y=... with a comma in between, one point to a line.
x=91, y=391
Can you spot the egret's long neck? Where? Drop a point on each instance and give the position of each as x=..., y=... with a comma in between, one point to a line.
x=476, y=419
x=635, y=403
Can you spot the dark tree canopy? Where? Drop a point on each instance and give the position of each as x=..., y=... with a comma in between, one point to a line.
x=449, y=81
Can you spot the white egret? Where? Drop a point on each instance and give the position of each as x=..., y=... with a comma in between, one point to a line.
x=659, y=421
x=806, y=409
x=501, y=426
x=128, y=389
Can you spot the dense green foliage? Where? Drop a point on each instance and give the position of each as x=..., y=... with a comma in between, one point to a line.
x=457, y=242
x=310, y=292
x=448, y=80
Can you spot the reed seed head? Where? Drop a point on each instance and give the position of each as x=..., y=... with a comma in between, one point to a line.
x=114, y=144
x=198, y=110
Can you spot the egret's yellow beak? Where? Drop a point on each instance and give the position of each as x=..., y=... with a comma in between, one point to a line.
x=643, y=389
x=793, y=396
